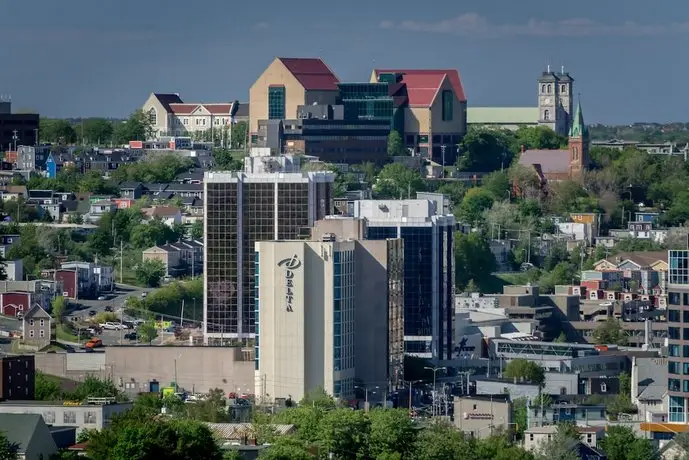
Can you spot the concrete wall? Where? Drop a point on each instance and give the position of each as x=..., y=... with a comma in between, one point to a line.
x=198, y=368
x=481, y=416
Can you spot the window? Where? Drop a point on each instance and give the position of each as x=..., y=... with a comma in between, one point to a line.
x=563, y=89
x=31, y=333
x=185, y=121
x=90, y=416
x=447, y=105
x=42, y=322
x=673, y=350
x=276, y=102
x=543, y=89
x=31, y=322
x=49, y=417
x=685, y=316
x=546, y=114
x=153, y=116
x=673, y=367
x=673, y=333
x=41, y=333
x=603, y=387
x=673, y=316
x=69, y=416
x=673, y=298
x=550, y=89
x=673, y=384
x=575, y=153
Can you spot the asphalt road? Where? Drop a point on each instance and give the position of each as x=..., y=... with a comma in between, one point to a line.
x=80, y=308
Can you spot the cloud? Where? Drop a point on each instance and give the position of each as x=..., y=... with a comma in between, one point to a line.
x=476, y=26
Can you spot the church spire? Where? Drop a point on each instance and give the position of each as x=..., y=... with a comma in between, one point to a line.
x=578, y=128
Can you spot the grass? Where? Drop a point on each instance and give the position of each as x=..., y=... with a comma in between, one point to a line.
x=64, y=332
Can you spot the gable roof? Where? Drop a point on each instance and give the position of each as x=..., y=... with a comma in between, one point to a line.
x=36, y=311
x=550, y=161
x=161, y=211
x=424, y=77
x=643, y=259
x=21, y=428
x=183, y=109
x=312, y=73
x=166, y=99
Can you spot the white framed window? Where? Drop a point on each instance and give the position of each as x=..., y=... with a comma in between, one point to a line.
x=185, y=121
x=42, y=322
x=31, y=333
x=31, y=322
x=41, y=333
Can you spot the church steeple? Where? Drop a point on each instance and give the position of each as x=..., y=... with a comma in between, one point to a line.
x=578, y=128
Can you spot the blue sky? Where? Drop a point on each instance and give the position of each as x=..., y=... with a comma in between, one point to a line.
x=102, y=58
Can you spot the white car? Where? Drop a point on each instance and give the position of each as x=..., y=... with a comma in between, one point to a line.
x=111, y=326
x=102, y=297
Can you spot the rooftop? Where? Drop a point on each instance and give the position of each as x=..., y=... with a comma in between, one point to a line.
x=550, y=161
x=422, y=84
x=312, y=73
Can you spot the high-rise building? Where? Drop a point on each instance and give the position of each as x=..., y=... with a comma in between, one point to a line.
x=322, y=316
x=678, y=336
x=240, y=209
x=429, y=276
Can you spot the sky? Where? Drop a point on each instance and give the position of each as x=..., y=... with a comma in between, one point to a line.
x=80, y=58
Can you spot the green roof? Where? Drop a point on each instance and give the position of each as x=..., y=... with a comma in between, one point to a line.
x=502, y=115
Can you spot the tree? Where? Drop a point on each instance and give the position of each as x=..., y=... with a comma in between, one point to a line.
x=97, y=130
x=93, y=387
x=499, y=447
x=395, y=144
x=392, y=431
x=472, y=287
x=225, y=161
x=318, y=398
x=682, y=441
x=538, y=137
x=524, y=370
x=137, y=127
x=474, y=203
x=441, y=442
x=59, y=307
x=287, y=448
x=8, y=450
x=397, y=181
x=46, y=388
x=562, y=338
x=610, y=332
x=150, y=272
x=498, y=185
x=473, y=259
x=239, y=134
x=620, y=443
x=197, y=230
x=56, y=131
x=484, y=150
x=562, y=446
x=147, y=332
x=345, y=433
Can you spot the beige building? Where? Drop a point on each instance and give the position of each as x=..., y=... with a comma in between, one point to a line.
x=536, y=436
x=479, y=416
x=171, y=116
x=288, y=83
x=314, y=327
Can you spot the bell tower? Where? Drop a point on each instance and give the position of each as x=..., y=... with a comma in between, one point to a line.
x=548, y=100
x=578, y=145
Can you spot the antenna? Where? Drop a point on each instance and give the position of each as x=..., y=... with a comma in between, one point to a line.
x=563, y=69
x=548, y=68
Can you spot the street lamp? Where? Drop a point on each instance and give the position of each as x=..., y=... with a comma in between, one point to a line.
x=434, y=369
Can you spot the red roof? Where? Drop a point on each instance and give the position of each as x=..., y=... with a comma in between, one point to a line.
x=423, y=80
x=184, y=109
x=312, y=73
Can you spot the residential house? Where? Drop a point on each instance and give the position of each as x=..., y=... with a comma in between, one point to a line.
x=98, y=209
x=649, y=388
x=17, y=377
x=17, y=303
x=123, y=203
x=95, y=413
x=193, y=206
x=170, y=215
x=14, y=270
x=244, y=433
x=30, y=433
x=36, y=325
x=131, y=190
x=579, y=414
x=69, y=281
x=586, y=449
x=186, y=190
x=184, y=257
x=14, y=192
x=193, y=176
x=93, y=278
x=6, y=242
x=50, y=167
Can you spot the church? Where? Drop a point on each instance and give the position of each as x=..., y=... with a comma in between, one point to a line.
x=562, y=164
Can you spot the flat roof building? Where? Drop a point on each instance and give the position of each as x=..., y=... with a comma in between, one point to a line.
x=240, y=209
x=323, y=316
x=429, y=269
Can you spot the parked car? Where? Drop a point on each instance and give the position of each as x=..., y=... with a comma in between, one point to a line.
x=130, y=336
x=92, y=312
x=94, y=330
x=102, y=297
x=109, y=325
x=144, y=295
x=108, y=308
x=94, y=343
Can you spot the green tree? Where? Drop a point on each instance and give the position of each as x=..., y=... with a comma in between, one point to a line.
x=240, y=132
x=97, y=130
x=92, y=387
x=397, y=181
x=392, y=431
x=473, y=259
x=287, y=448
x=225, y=161
x=562, y=273
x=484, y=150
x=499, y=447
x=59, y=307
x=395, y=144
x=197, y=230
x=56, y=131
x=318, y=398
x=620, y=443
x=498, y=185
x=137, y=127
x=345, y=433
x=610, y=332
x=306, y=419
x=562, y=338
x=562, y=446
x=538, y=137
x=441, y=442
x=232, y=455
x=519, y=416
x=8, y=450
x=147, y=332
x=522, y=369
x=149, y=272
x=474, y=203
x=46, y=388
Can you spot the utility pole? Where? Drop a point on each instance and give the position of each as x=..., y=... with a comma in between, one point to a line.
x=442, y=149
x=121, y=261
x=435, y=393
x=181, y=315
x=410, y=397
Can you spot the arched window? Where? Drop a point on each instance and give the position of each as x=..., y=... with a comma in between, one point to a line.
x=550, y=88
x=543, y=89
x=153, y=116
x=563, y=89
x=546, y=114
x=575, y=153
